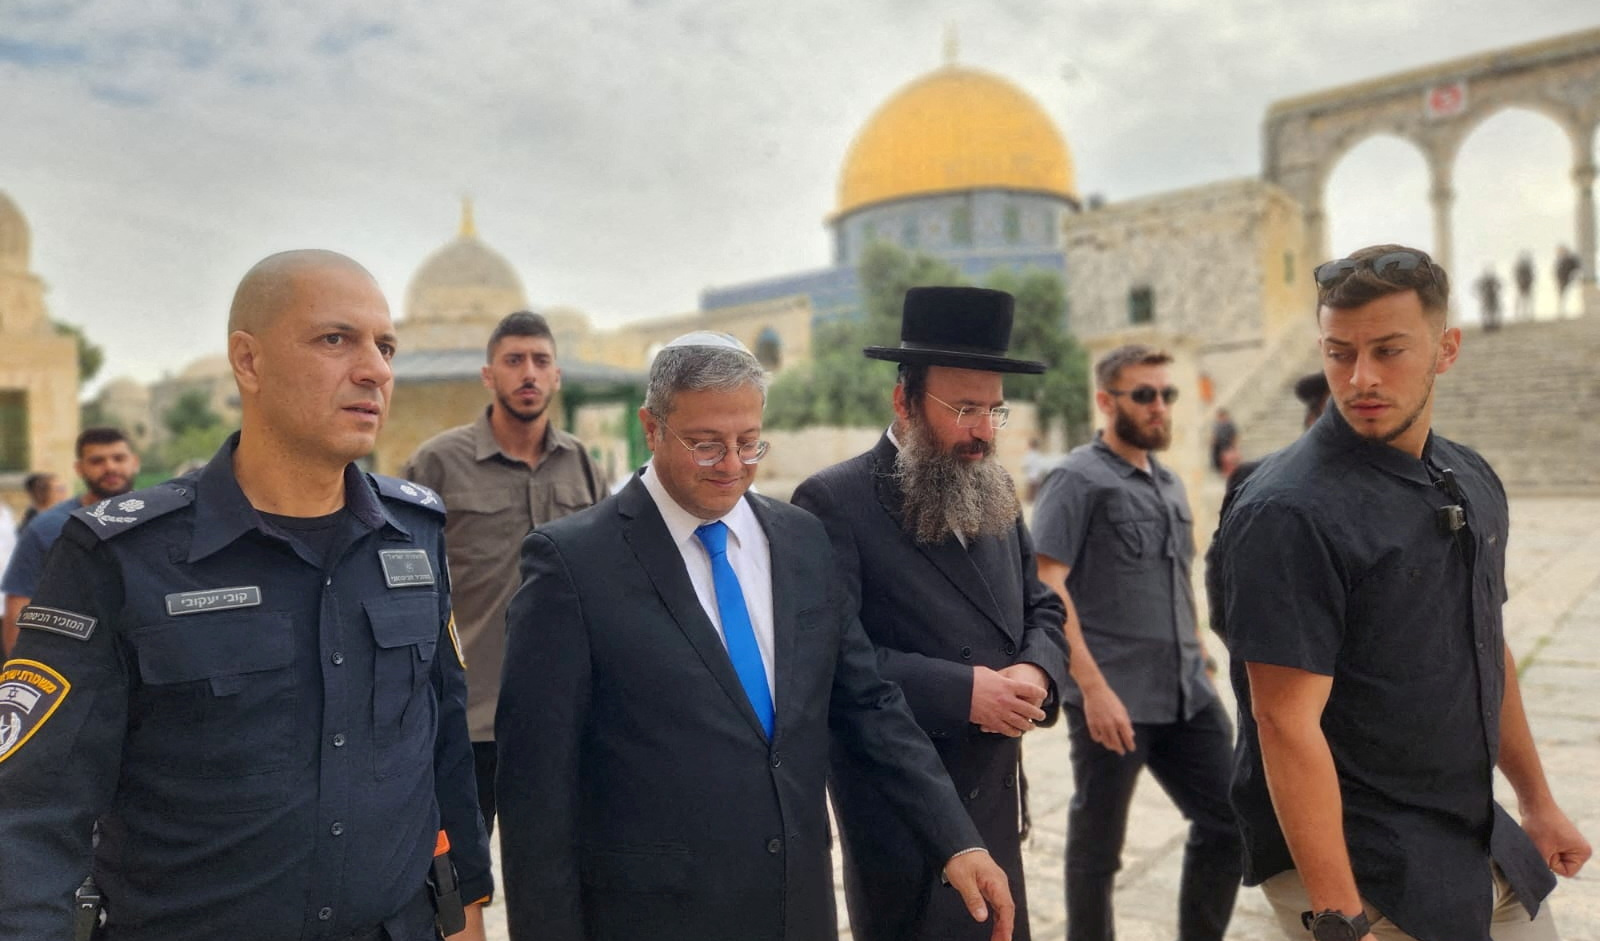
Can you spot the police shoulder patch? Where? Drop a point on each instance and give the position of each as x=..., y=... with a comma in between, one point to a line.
x=115, y=516
x=29, y=693
x=407, y=492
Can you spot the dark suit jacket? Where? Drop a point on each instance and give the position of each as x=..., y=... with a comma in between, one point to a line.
x=934, y=612
x=639, y=797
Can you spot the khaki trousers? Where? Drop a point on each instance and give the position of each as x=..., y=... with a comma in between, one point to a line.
x=1510, y=922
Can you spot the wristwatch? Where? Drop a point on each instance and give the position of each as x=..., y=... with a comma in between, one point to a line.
x=1330, y=925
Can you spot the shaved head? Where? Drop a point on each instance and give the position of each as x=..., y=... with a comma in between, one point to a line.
x=270, y=287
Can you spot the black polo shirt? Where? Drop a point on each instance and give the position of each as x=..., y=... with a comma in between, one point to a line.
x=1128, y=537
x=1333, y=559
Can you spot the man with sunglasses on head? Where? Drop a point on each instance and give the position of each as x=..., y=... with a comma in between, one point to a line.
x=1116, y=540
x=934, y=558
x=1362, y=576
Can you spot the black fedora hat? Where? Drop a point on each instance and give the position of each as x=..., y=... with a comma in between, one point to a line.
x=968, y=328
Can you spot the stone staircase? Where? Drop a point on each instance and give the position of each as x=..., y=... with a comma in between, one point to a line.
x=1527, y=397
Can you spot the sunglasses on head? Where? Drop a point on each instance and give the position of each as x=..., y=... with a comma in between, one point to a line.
x=1330, y=271
x=1144, y=395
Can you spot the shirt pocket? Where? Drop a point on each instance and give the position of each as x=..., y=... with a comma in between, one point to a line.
x=1138, y=536
x=219, y=698
x=405, y=631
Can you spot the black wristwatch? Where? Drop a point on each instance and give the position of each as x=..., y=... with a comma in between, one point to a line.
x=1336, y=926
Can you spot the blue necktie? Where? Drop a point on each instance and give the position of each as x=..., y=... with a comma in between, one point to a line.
x=736, y=630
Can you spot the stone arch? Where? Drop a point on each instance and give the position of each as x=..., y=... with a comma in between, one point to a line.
x=1406, y=163
x=769, y=348
x=1438, y=107
x=1512, y=167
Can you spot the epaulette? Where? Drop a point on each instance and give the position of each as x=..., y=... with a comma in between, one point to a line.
x=405, y=491
x=115, y=516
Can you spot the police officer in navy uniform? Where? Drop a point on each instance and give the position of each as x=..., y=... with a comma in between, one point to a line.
x=248, y=676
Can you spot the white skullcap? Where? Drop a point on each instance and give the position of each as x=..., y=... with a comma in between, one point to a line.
x=708, y=338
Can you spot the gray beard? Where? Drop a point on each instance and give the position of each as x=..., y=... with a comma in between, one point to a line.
x=944, y=494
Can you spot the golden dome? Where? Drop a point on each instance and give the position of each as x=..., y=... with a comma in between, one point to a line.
x=955, y=129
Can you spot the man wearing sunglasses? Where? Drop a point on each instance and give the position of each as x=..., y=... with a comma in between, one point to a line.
x=1362, y=573
x=934, y=558
x=1116, y=538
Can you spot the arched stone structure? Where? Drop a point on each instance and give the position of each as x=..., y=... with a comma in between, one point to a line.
x=1437, y=108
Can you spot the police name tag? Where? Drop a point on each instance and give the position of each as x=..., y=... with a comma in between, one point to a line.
x=406, y=568
x=57, y=621
x=215, y=599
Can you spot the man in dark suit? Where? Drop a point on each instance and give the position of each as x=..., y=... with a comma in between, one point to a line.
x=678, y=661
x=935, y=558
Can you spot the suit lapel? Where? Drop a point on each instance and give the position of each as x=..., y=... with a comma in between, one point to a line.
x=786, y=594
x=646, y=534
x=947, y=555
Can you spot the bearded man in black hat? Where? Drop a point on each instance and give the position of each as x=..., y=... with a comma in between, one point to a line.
x=934, y=558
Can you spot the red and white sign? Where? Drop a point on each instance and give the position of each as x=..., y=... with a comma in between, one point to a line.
x=1445, y=101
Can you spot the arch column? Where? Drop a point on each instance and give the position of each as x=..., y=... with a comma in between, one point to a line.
x=1583, y=176
x=1316, y=222
x=1442, y=196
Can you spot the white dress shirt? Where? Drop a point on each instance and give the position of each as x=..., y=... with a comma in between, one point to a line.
x=749, y=554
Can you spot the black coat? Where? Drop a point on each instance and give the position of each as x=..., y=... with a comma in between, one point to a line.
x=639, y=797
x=934, y=612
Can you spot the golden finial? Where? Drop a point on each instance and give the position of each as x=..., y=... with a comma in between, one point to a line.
x=469, y=228
x=951, y=44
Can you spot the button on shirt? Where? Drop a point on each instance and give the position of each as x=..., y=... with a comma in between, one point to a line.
x=1333, y=560
x=269, y=739
x=748, y=553
x=1128, y=537
x=493, y=501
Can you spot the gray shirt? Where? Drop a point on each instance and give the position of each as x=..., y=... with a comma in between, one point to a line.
x=1128, y=537
x=492, y=501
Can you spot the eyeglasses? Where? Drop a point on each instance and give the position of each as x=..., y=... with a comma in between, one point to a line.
x=1145, y=395
x=969, y=417
x=1330, y=271
x=711, y=453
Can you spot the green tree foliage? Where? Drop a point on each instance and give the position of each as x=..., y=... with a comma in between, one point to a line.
x=197, y=431
x=191, y=411
x=90, y=355
x=841, y=387
x=1061, y=394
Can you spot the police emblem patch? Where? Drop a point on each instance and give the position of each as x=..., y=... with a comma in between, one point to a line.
x=406, y=568
x=29, y=693
x=57, y=621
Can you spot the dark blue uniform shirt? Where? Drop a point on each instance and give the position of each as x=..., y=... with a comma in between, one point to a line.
x=1333, y=560
x=269, y=739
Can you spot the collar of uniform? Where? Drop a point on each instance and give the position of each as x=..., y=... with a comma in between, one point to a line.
x=223, y=514
x=1332, y=431
x=1121, y=465
x=484, y=446
x=741, y=520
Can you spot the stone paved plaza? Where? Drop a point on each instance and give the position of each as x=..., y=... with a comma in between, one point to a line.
x=1552, y=623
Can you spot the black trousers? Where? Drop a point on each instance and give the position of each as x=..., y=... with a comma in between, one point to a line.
x=1192, y=761
x=484, y=763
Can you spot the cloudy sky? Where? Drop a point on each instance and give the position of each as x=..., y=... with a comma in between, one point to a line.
x=625, y=155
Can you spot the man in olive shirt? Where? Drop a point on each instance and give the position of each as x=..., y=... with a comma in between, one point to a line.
x=501, y=476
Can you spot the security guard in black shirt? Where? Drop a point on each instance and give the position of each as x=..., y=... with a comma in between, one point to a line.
x=248, y=677
x=1362, y=575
